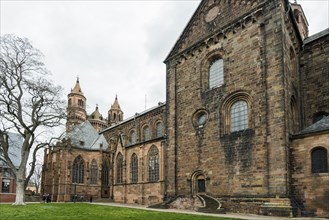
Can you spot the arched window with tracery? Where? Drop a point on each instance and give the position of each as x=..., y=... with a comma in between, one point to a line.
x=239, y=116
x=119, y=168
x=105, y=174
x=319, y=160
x=153, y=164
x=93, y=172
x=78, y=170
x=134, y=168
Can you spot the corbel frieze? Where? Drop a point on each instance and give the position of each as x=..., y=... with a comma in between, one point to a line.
x=219, y=35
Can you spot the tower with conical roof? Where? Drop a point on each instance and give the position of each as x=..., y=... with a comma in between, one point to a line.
x=115, y=115
x=97, y=120
x=76, y=109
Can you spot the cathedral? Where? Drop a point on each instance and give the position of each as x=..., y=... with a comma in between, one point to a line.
x=245, y=122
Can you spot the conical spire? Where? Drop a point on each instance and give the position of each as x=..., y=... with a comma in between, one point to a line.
x=116, y=104
x=115, y=115
x=76, y=109
x=77, y=88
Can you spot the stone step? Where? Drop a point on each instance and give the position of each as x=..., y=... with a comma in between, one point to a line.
x=211, y=205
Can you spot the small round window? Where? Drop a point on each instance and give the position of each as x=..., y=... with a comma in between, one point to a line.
x=200, y=118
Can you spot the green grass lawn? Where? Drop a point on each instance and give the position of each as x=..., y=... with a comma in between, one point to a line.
x=82, y=211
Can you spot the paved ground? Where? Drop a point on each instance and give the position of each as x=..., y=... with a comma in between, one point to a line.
x=228, y=215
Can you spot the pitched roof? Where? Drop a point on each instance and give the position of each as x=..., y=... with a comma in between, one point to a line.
x=15, y=146
x=321, y=125
x=213, y=17
x=316, y=36
x=160, y=104
x=84, y=136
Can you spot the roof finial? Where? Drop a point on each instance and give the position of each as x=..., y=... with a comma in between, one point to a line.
x=77, y=78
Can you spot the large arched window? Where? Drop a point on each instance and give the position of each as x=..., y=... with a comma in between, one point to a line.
x=216, y=73
x=319, y=159
x=132, y=137
x=146, y=132
x=78, y=170
x=239, y=116
x=105, y=174
x=159, y=129
x=93, y=172
x=134, y=168
x=153, y=164
x=119, y=168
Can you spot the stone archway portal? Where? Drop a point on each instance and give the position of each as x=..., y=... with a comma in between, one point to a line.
x=201, y=185
x=198, y=182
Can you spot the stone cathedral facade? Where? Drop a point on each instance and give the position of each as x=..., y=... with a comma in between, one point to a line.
x=246, y=121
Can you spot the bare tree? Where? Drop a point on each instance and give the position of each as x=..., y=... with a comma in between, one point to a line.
x=35, y=179
x=30, y=105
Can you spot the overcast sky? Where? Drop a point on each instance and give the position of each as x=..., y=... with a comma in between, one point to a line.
x=115, y=47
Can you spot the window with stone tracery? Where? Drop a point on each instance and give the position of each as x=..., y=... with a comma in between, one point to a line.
x=120, y=168
x=105, y=174
x=153, y=164
x=93, y=172
x=134, y=168
x=78, y=170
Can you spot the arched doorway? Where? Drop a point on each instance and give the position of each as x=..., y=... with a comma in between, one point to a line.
x=198, y=182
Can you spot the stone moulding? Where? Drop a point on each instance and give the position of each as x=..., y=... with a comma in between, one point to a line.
x=220, y=34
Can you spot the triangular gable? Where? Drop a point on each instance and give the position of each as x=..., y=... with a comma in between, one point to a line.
x=210, y=17
x=98, y=142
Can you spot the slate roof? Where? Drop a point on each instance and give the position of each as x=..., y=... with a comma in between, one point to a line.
x=321, y=125
x=84, y=136
x=316, y=36
x=160, y=104
x=15, y=146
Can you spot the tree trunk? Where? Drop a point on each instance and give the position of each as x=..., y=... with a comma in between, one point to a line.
x=20, y=192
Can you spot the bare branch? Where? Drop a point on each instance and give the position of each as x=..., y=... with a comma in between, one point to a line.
x=29, y=102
